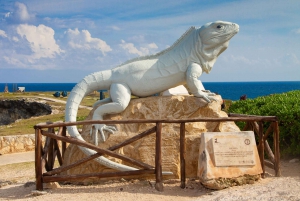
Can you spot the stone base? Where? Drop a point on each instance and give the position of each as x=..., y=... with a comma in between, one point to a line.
x=221, y=183
x=228, y=159
x=159, y=107
x=17, y=143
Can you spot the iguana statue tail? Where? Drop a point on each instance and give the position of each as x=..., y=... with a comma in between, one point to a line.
x=92, y=82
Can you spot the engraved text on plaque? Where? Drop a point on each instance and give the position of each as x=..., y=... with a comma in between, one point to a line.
x=233, y=150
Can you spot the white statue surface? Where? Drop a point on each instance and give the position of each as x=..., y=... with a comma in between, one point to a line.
x=182, y=63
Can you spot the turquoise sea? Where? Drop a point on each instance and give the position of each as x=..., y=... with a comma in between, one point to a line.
x=228, y=90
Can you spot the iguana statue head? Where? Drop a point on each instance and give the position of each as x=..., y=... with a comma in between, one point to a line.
x=215, y=38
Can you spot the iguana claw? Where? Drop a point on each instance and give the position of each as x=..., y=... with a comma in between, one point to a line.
x=101, y=128
x=206, y=95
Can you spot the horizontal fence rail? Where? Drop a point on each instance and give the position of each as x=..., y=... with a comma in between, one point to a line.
x=46, y=153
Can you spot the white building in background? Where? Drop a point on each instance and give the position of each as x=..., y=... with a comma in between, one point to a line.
x=21, y=89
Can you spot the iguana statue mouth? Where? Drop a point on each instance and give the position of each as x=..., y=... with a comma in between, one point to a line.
x=180, y=64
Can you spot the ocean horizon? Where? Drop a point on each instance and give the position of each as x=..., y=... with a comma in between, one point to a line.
x=228, y=90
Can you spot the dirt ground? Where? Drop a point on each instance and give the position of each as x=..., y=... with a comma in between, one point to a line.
x=17, y=182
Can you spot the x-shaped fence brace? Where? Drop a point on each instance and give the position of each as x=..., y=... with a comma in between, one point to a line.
x=45, y=156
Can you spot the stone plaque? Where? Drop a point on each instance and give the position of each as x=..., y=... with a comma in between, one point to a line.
x=234, y=150
x=228, y=155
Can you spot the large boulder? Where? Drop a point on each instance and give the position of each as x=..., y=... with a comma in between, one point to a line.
x=12, y=110
x=159, y=107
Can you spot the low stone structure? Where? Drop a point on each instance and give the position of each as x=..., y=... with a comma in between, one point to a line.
x=17, y=143
x=162, y=107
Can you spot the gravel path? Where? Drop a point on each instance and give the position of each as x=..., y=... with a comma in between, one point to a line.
x=17, y=182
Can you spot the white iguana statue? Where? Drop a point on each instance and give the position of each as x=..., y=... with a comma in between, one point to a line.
x=180, y=64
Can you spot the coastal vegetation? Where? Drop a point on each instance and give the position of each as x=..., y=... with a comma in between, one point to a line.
x=286, y=107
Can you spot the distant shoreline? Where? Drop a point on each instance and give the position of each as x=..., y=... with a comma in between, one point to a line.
x=228, y=90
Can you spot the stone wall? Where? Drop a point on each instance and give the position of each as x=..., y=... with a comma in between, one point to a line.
x=17, y=143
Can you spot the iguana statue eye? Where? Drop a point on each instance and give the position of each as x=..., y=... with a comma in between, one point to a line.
x=219, y=26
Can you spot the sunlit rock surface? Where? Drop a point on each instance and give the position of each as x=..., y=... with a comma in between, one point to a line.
x=159, y=107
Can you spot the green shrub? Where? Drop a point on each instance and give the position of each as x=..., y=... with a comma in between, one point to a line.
x=286, y=107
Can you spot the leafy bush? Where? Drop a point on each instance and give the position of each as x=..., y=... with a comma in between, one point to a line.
x=286, y=107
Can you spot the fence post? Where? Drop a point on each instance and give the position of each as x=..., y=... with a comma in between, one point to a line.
x=262, y=147
x=38, y=159
x=182, y=155
x=158, y=168
x=63, y=144
x=276, y=149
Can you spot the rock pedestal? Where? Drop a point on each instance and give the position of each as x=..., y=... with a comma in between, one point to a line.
x=159, y=107
x=228, y=159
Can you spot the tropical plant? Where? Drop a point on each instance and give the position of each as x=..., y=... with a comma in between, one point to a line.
x=286, y=107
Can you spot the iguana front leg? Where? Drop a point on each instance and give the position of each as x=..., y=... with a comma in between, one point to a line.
x=120, y=95
x=194, y=85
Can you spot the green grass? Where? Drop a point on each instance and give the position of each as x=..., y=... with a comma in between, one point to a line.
x=227, y=104
x=25, y=126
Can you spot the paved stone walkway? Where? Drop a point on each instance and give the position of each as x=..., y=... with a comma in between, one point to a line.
x=16, y=158
x=62, y=101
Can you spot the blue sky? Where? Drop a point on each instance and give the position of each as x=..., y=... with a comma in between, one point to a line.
x=63, y=41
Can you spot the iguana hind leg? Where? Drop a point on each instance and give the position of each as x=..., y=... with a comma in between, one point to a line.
x=106, y=100
x=120, y=95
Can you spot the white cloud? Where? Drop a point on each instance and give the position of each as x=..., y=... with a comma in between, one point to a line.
x=15, y=39
x=41, y=40
x=152, y=46
x=240, y=59
x=3, y=34
x=116, y=28
x=7, y=14
x=141, y=51
x=83, y=40
x=20, y=14
x=290, y=59
x=130, y=48
x=13, y=61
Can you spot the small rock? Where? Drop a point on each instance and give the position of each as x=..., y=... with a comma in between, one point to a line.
x=295, y=160
x=55, y=111
x=51, y=185
x=250, y=182
x=29, y=183
x=38, y=193
x=152, y=183
x=5, y=183
x=134, y=181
